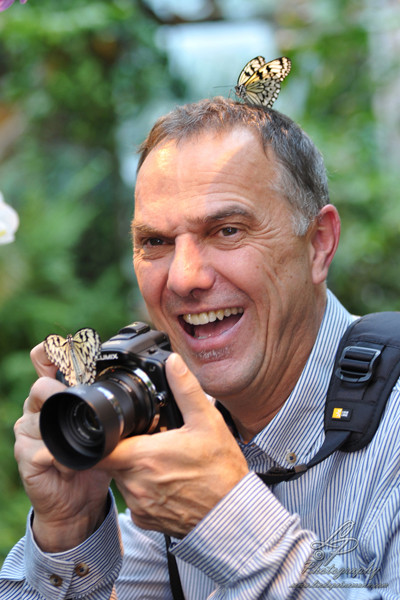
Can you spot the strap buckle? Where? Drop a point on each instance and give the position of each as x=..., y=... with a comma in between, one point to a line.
x=357, y=363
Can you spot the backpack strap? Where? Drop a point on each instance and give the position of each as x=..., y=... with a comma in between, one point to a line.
x=367, y=366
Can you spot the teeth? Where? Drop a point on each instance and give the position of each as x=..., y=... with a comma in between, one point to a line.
x=211, y=316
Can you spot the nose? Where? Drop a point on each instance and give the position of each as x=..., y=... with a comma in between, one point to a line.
x=189, y=270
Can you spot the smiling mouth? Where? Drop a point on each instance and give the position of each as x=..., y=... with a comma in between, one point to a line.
x=212, y=323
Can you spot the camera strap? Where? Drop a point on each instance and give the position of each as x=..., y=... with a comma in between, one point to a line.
x=174, y=578
x=367, y=366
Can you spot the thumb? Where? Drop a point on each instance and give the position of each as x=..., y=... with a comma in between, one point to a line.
x=43, y=366
x=190, y=398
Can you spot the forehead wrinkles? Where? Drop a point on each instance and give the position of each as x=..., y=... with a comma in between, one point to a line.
x=235, y=162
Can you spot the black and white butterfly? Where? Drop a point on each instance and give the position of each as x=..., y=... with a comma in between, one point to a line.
x=259, y=82
x=76, y=355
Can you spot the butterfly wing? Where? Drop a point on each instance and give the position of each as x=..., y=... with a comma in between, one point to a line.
x=250, y=69
x=57, y=351
x=263, y=93
x=275, y=69
x=75, y=356
x=259, y=82
x=85, y=350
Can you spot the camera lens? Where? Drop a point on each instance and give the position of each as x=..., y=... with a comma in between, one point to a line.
x=84, y=423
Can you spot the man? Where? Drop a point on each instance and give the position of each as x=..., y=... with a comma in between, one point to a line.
x=233, y=238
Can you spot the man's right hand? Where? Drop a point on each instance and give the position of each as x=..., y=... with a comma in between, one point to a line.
x=68, y=505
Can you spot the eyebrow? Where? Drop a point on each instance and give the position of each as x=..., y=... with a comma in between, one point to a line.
x=219, y=215
x=226, y=213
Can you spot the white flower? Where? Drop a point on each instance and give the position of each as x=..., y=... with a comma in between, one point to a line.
x=9, y=222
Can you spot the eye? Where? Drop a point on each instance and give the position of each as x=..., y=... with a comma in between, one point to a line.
x=154, y=242
x=227, y=231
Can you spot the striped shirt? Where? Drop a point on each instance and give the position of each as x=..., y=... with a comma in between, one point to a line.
x=332, y=533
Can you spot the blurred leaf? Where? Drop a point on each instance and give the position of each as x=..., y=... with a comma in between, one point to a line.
x=72, y=73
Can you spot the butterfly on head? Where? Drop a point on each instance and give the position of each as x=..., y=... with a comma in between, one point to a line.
x=259, y=83
x=76, y=355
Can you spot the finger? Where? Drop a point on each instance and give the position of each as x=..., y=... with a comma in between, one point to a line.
x=41, y=390
x=190, y=398
x=43, y=366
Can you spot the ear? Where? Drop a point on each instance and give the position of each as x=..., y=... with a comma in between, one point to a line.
x=324, y=241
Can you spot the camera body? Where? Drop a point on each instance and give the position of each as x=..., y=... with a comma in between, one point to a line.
x=130, y=396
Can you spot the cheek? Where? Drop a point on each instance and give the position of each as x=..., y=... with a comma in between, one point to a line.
x=149, y=279
x=274, y=278
x=254, y=271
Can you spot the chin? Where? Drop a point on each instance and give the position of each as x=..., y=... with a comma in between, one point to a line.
x=219, y=378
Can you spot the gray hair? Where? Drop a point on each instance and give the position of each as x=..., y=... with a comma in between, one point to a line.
x=302, y=180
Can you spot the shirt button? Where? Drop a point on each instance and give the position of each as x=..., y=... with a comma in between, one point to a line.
x=82, y=569
x=291, y=457
x=56, y=580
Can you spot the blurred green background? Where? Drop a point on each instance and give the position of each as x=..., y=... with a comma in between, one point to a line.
x=80, y=84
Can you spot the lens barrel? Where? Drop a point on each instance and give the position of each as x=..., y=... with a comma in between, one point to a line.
x=83, y=424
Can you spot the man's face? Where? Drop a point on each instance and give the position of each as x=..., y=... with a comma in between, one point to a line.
x=218, y=264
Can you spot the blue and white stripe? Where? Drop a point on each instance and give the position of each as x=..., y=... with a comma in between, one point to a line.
x=257, y=542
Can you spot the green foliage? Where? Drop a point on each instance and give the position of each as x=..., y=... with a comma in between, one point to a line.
x=74, y=76
x=71, y=74
x=333, y=68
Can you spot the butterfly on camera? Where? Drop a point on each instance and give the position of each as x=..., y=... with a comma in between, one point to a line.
x=76, y=355
x=259, y=83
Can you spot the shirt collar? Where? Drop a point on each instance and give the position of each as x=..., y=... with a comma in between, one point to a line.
x=296, y=432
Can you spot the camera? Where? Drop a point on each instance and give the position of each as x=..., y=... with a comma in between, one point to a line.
x=130, y=396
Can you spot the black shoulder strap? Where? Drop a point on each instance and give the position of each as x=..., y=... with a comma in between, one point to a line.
x=174, y=578
x=367, y=366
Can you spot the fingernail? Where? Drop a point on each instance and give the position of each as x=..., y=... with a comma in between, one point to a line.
x=178, y=364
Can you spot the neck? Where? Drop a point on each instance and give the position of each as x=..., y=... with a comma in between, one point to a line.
x=254, y=407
